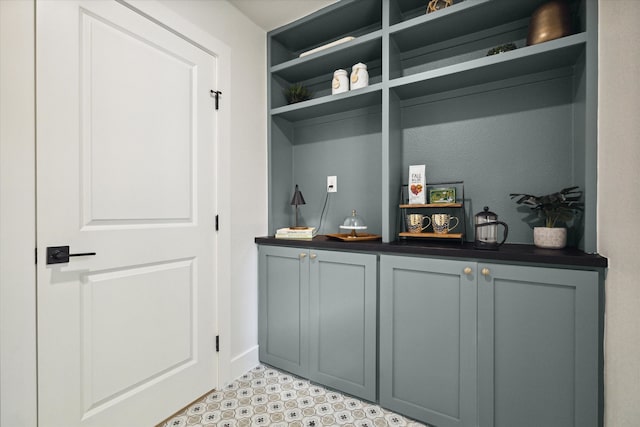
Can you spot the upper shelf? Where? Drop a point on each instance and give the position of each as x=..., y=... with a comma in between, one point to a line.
x=332, y=104
x=344, y=18
x=546, y=56
x=362, y=49
x=463, y=17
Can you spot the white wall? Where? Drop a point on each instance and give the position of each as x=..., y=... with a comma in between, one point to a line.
x=619, y=204
x=17, y=216
x=247, y=101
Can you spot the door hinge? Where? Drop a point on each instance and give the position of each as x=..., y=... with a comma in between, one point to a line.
x=217, y=223
x=216, y=94
x=217, y=343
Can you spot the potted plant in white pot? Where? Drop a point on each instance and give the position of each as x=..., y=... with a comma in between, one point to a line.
x=556, y=209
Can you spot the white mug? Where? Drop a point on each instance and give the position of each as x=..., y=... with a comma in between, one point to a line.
x=442, y=223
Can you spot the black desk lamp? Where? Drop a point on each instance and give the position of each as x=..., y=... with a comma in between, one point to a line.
x=296, y=201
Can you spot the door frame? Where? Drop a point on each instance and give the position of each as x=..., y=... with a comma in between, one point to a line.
x=18, y=393
x=18, y=195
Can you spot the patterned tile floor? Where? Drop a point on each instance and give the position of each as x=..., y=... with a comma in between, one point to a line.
x=267, y=397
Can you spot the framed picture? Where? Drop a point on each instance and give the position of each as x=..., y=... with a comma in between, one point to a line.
x=442, y=195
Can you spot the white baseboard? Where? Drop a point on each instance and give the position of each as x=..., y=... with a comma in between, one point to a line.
x=244, y=362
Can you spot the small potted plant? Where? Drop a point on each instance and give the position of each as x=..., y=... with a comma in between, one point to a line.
x=556, y=209
x=297, y=93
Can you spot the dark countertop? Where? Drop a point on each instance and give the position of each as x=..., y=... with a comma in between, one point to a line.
x=569, y=257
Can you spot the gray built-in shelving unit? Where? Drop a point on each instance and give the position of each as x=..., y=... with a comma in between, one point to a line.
x=520, y=121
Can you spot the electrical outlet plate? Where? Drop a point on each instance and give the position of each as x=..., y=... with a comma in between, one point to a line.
x=332, y=184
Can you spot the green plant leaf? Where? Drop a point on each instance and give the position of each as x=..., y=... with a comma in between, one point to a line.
x=559, y=207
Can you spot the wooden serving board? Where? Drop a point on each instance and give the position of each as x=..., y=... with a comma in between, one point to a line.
x=346, y=237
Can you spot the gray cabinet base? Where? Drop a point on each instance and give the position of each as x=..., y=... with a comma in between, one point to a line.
x=317, y=316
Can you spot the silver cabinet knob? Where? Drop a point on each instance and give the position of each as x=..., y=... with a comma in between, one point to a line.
x=303, y=255
x=313, y=256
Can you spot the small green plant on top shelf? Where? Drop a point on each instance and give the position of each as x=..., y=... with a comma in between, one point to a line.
x=297, y=93
x=501, y=49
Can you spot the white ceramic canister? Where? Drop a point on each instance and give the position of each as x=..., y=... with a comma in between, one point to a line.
x=340, y=82
x=359, y=76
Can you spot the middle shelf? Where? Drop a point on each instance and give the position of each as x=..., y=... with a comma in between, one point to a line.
x=332, y=104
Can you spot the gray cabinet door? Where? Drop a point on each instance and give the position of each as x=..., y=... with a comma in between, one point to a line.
x=537, y=347
x=283, y=295
x=428, y=339
x=342, y=320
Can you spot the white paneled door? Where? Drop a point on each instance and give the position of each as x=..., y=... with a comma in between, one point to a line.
x=125, y=169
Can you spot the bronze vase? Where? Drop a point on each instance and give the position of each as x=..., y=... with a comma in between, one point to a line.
x=550, y=21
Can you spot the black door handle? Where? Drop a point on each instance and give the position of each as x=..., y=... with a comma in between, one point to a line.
x=60, y=254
